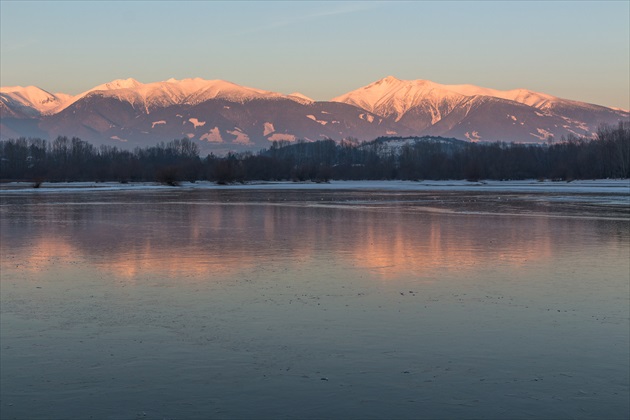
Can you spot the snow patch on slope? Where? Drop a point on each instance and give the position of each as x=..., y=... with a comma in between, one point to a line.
x=196, y=123
x=542, y=134
x=473, y=137
x=281, y=137
x=579, y=124
x=368, y=117
x=268, y=129
x=241, y=138
x=212, y=136
x=312, y=117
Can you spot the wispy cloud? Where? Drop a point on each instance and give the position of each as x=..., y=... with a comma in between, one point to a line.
x=8, y=47
x=329, y=9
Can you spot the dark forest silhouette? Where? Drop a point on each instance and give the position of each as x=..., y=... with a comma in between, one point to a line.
x=72, y=159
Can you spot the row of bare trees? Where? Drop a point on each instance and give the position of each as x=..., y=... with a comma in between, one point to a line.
x=72, y=159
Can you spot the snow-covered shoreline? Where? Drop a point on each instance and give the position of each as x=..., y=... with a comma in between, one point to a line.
x=604, y=186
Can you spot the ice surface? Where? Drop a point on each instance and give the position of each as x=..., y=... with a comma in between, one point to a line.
x=197, y=302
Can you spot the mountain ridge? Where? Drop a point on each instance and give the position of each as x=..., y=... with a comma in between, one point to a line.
x=221, y=115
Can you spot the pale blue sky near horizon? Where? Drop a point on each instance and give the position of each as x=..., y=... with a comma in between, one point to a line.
x=572, y=49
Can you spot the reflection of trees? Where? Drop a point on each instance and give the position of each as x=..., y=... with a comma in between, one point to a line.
x=221, y=233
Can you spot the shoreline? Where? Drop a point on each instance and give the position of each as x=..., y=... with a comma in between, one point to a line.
x=605, y=186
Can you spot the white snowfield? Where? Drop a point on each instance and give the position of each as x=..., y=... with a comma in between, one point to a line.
x=145, y=95
x=394, y=97
x=419, y=106
x=301, y=98
x=386, y=97
x=617, y=187
x=33, y=97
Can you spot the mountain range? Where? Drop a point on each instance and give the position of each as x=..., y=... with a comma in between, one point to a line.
x=222, y=116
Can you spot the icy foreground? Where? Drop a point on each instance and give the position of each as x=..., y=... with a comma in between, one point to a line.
x=260, y=302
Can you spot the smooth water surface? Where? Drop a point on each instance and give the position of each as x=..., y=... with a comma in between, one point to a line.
x=313, y=304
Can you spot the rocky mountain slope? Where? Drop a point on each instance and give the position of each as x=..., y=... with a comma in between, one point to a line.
x=223, y=116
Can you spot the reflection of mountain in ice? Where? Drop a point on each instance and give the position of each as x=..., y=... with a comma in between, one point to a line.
x=176, y=303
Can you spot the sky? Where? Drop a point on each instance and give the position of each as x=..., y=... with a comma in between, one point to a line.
x=572, y=49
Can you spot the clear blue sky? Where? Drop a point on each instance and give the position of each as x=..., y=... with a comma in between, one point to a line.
x=572, y=49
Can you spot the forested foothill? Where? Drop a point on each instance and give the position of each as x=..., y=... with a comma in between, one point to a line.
x=431, y=158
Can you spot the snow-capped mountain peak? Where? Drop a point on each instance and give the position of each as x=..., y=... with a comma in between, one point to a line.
x=189, y=91
x=219, y=113
x=394, y=97
x=118, y=84
x=199, y=90
x=388, y=79
x=300, y=97
x=32, y=100
x=523, y=96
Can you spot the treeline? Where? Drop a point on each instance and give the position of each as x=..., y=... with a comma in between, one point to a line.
x=64, y=159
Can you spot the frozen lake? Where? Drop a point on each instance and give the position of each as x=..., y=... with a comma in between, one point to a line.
x=437, y=301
